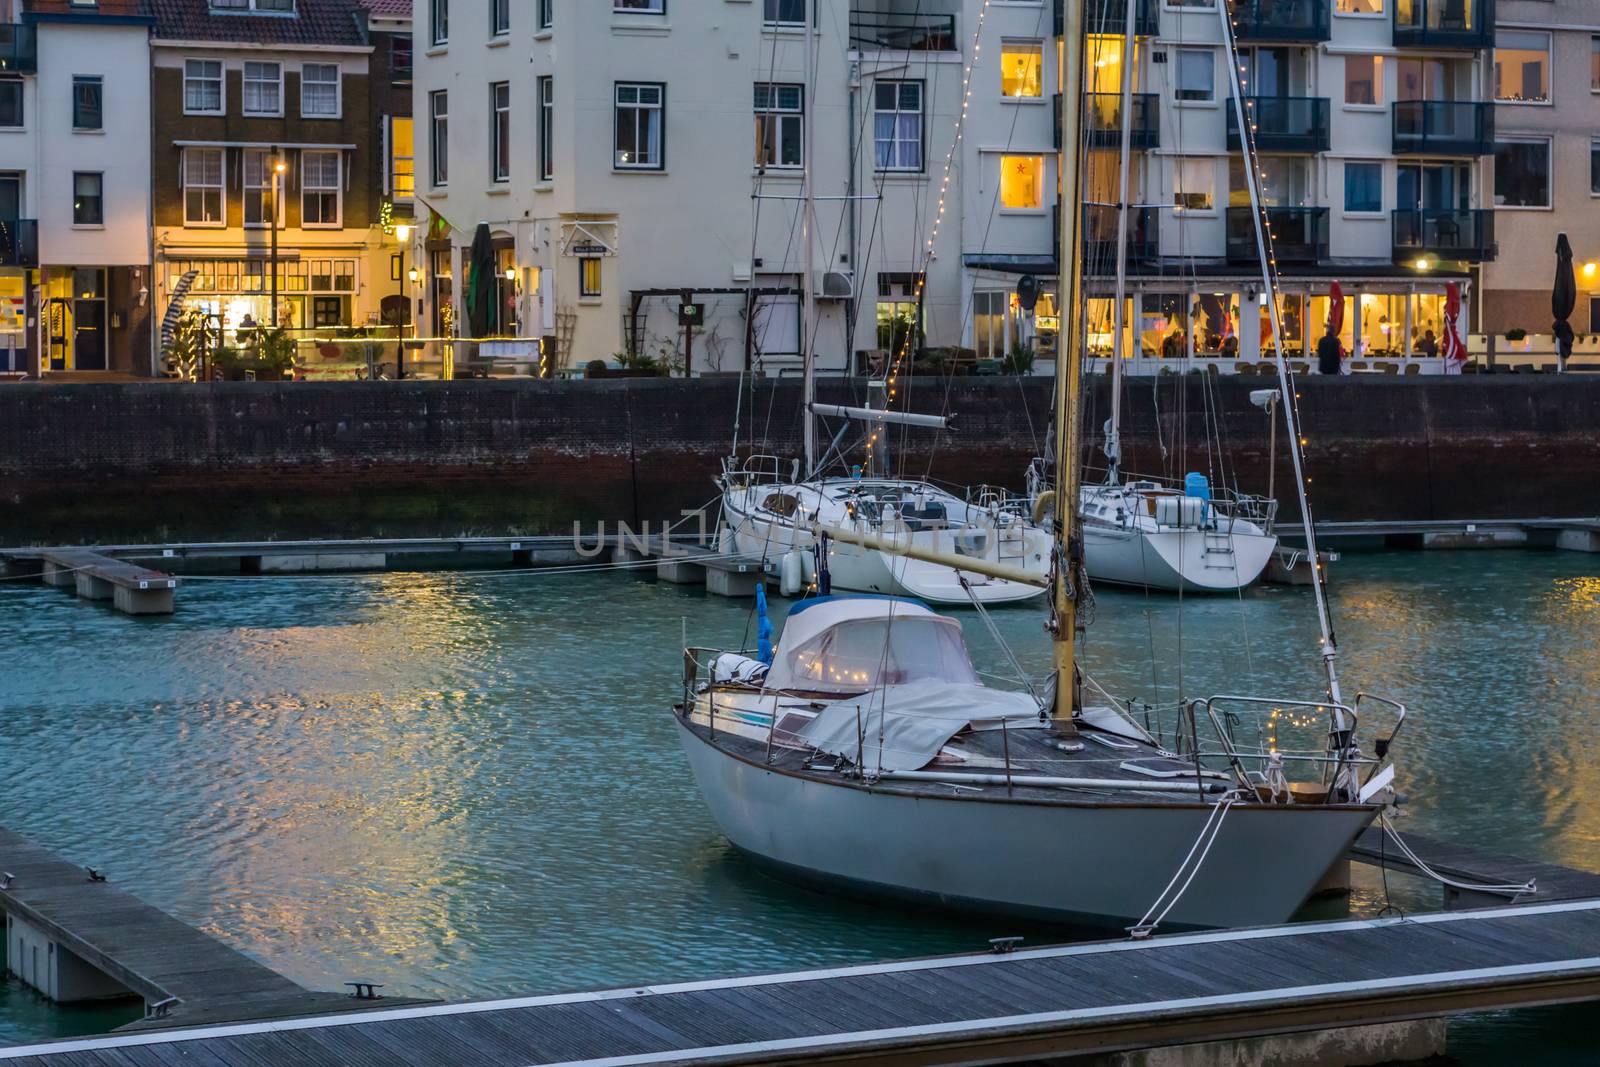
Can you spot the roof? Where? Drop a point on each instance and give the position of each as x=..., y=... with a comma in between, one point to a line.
x=388, y=9
x=323, y=22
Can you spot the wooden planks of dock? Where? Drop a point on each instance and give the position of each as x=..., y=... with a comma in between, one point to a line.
x=132, y=589
x=1100, y=997
x=73, y=936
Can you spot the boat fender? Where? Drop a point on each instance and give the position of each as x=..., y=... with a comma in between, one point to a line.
x=791, y=574
x=725, y=543
x=1043, y=505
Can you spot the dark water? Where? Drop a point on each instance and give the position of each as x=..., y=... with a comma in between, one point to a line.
x=468, y=785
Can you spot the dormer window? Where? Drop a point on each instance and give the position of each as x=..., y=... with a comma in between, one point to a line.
x=271, y=7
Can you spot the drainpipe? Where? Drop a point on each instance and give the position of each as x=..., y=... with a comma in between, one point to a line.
x=851, y=148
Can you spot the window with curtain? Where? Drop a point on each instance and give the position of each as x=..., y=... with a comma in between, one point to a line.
x=202, y=187
x=87, y=107
x=639, y=114
x=1363, y=187
x=319, y=189
x=319, y=90
x=1197, y=74
x=263, y=89
x=88, y=199
x=897, y=125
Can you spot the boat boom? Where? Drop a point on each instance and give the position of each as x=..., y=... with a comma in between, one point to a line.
x=903, y=547
x=899, y=418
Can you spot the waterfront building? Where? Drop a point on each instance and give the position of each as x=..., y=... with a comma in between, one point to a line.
x=394, y=182
x=265, y=110
x=75, y=286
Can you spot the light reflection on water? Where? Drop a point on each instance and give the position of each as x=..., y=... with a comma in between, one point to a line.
x=469, y=786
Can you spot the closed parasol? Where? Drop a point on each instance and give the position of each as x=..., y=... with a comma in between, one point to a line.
x=1450, y=346
x=1563, y=299
x=481, y=282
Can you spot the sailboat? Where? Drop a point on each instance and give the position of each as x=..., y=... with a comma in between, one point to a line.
x=775, y=515
x=865, y=750
x=1193, y=537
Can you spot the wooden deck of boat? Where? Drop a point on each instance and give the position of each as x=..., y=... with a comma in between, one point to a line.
x=1052, y=1001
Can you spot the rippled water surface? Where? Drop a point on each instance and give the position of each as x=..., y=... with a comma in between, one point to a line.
x=468, y=785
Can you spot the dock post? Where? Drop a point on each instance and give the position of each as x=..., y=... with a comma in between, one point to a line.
x=93, y=588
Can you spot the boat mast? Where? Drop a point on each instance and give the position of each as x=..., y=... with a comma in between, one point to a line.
x=1291, y=422
x=809, y=225
x=1119, y=309
x=1068, y=572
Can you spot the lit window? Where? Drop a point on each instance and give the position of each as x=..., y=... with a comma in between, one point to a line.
x=1197, y=74
x=1021, y=68
x=1358, y=7
x=1522, y=67
x=402, y=158
x=1363, y=80
x=1022, y=183
x=589, y=276
x=319, y=90
x=1194, y=185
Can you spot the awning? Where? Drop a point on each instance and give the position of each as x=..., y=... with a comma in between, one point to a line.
x=1011, y=264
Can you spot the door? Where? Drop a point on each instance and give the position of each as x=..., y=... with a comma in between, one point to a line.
x=10, y=196
x=89, y=342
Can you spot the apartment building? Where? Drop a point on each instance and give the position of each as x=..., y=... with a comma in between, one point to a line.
x=1546, y=181
x=75, y=288
x=264, y=119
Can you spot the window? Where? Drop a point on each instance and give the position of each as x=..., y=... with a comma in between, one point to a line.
x=638, y=121
x=439, y=21
x=1594, y=64
x=1197, y=75
x=286, y=6
x=319, y=90
x=1021, y=69
x=257, y=187
x=547, y=128
x=897, y=125
x=319, y=189
x=10, y=102
x=439, y=135
x=1022, y=183
x=547, y=14
x=899, y=317
x=263, y=88
x=87, y=111
x=1193, y=185
x=780, y=125
x=401, y=60
x=784, y=12
x=1594, y=168
x=1522, y=174
x=989, y=313
x=652, y=7
x=1363, y=80
x=402, y=158
x=88, y=200
x=1522, y=67
x=1363, y=187
x=1358, y=7
x=202, y=86
x=589, y=276
x=500, y=131
x=499, y=17
x=202, y=187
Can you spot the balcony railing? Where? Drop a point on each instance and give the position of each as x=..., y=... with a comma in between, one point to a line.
x=1297, y=234
x=1282, y=20
x=1444, y=24
x=1100, y=238
x=19, y=49
x=890, y=31
x=1103, y=115
x=1282, y=123
x=1443, y=127
x=1451, y=234
x=1111, y=17
x=19, y=243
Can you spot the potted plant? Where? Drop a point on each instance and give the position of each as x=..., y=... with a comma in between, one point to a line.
x=273, y=355
x=1019, y=360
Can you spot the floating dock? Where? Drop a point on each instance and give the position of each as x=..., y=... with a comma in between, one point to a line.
x=1365, y=990
x=73, y=936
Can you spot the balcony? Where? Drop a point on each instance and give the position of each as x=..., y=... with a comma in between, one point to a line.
x=1443, y=127
x=891, y=31
x=1103, y=116
x=1444, y=24
x=19, y=49
x=1111, y=17
x=1306, y=21
x=19, y=243
x=1298, y=234
x=1449, y=234
x=1100, y=238
x=1282, y=123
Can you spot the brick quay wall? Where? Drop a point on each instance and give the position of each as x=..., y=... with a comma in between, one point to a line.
x=162, y=462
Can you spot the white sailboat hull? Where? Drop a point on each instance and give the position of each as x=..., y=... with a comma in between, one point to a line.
x=1176, y=560
x=1087, y=863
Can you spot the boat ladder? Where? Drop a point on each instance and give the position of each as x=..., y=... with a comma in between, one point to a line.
x=1218, y=544
x=1012, y=544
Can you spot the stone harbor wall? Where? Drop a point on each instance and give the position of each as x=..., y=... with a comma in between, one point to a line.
x=163, y=462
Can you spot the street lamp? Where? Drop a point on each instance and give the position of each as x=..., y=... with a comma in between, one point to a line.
x=279, y=168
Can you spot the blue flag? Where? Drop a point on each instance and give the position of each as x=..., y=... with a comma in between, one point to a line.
x=763, y=626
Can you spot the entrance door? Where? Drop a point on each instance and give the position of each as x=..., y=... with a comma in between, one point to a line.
x=89, y=342
x=1433, y=187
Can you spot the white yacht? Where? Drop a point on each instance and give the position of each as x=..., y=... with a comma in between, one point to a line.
x=769, y=517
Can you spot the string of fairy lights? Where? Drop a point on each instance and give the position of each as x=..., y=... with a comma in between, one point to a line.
x=908, y=343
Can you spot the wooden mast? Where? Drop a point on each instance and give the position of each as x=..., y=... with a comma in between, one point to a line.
x=1068, y=571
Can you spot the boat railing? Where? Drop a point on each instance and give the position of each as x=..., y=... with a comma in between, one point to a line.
x=760, y=470
x=1261, y=510
x=1259, y=762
